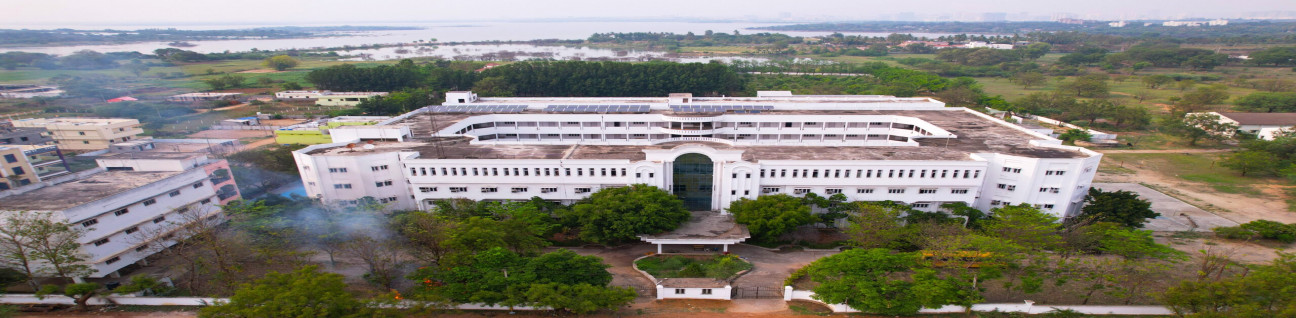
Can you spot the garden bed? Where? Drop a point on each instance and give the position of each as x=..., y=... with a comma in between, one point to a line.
x=720, y=267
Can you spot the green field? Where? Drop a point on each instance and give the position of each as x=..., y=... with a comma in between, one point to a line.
x=1195, y=167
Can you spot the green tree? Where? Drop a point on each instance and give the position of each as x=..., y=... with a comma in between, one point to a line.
x=770, y=216
x=1028, y=79
x=1198, y=126
x=1250, y=161
x=1073, y=135
x=1202, y=98
x=1092, y=86
x=280, y=62
x=1120, y=207
x=1156, y=81
x=80, y=293
x=1265, y=291
x=580, y=298
x=305, y=292
x=619, y=214
x=292, y=86
x=874, y=224
x=1267, y=102
x=226, y=81
x=1024, y=225
x=568, y=268
x=53, y=244
x=880, y=281
x=477, y=234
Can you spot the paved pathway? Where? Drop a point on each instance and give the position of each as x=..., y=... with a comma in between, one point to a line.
x=1175, y=214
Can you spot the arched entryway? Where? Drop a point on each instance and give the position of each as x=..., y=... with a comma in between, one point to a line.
x=692, y=181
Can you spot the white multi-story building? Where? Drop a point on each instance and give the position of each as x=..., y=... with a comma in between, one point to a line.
x=708, y=150
x=129, y=205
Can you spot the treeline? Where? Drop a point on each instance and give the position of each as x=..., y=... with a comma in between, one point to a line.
x=93, y=60
x=416, y=86
x=709, y=38
x=1234, y=33
x=70, y=36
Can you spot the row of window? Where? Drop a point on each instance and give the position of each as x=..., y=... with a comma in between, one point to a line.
x=1006, y=203
x=1047, y=172
x=495, y=190
x=832, y=191
x=147, y=202
x=524, y=172
x=870, y=173
x=762, y=137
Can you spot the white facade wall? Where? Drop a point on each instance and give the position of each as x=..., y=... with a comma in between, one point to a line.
x=363, y=174
x=722, y=293
x=352, y=133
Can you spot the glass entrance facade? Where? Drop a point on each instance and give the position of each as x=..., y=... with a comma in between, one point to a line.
x=693, y=181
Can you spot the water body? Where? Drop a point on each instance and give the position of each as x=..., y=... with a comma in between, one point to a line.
x=445, y=32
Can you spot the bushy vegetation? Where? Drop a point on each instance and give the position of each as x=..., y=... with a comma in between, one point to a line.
x=1259, y=229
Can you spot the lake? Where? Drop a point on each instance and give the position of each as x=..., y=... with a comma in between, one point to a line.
x=448, y=32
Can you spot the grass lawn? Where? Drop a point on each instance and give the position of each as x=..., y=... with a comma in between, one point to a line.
x=1195, y=167
x=718, y=267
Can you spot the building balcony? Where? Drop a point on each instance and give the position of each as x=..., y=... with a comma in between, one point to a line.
x=686, y=131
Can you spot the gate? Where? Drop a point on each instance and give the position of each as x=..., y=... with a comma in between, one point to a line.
x=758, y=293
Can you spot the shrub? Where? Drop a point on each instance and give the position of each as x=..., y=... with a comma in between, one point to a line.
x=1259, y=229
x=1234, y=233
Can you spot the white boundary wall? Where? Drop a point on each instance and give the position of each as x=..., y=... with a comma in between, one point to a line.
x=1029, y=308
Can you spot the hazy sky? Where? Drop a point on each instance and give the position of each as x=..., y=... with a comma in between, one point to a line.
x=54, y=13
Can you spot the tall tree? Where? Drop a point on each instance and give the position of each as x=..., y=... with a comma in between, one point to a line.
x=305, y=292
x=1024, y=225
x=875, y=224
x=1120, y=207
x=1199, y=126
x=280, y=62
x=880, y=281
x=770, y=216
x=620, y=213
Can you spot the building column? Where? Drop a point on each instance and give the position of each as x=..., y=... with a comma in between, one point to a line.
x=659, y=249
x=726, y=247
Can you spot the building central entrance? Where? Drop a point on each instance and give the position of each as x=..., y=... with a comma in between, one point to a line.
x=693, y=181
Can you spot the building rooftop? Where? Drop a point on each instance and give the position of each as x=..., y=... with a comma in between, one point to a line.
x=89, y=189
x=1267, y=119
x=975, y=134
x=75, y=121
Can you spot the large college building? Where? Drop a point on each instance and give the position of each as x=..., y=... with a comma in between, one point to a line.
x=710, y=151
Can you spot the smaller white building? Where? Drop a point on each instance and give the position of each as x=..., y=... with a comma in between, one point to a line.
x=694, y=288
x=1265, y=126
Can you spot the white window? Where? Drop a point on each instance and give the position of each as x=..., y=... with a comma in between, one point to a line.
x=959, y=191
x=458, y=189
x=926, y=191
x=114, y=259
x=150, y=202
x=90, y=222
x=679, y=291
x=832, y=191
x=706, y=291
x=800, y=190
x=1012, y=170
x=199, y=185
x=101, y=241
x=120, y=212
x=1048, y=206
x=864, y=191
x=159, y=219
x=489, y=190
x=994, y=202
x=771, y=190
x=1008, y=187
x=133, y=229
x=338, y=170
x=582, y=190
x=548, y=190
x=895, y=191
x=519, y=190
x=427, y=189
x=1054, y=172
x=342, y=186
x=920, y=205
x=376, y=168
